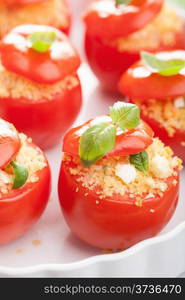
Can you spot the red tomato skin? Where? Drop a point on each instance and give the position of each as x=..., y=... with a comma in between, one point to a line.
x=22, y=208
x=45, y=120
x=9, y=143
x=108, y=63
x=157, y=86
x=22, y=2
x=114, y=223
x=131, y=142
x=174, y=142
x=65, y=30
x=111, y=26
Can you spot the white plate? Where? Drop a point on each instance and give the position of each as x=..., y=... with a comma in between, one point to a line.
x=50, y=250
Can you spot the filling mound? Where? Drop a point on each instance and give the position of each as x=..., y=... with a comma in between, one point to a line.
x=117, y=176
x=16, y=86
x=50, y=12
x=169, y=113
x=161, y=31
x=29, y=157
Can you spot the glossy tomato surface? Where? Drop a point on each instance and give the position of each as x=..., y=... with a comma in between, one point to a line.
x=106, y=19
x=108, y=64
x=9, y=143
x=22, y=2
x=129, y=142
x=48, y=67
x=138, y=82
x=115, y=222
x=43, y=120
x=21, y=208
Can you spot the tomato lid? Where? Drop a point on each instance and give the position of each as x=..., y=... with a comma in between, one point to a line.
x=129, y=142
x=9, y=143
x=140, y=82
x=106, y=19
x=40, y=53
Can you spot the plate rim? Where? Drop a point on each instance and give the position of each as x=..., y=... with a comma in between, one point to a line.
x=141, y=246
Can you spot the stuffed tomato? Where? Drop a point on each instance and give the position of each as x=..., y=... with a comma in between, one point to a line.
x=42, y=12
x=24, y=183
x=118, y=185
x=116, y=33
x=157, y=85
x=40, y=90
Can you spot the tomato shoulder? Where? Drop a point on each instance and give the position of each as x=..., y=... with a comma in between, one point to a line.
x=129, y=142
x=140, y=83
x=42, y=67
x=105, y=19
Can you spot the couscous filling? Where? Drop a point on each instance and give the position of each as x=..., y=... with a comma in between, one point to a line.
x=161, y=31
x=16, y=86
x=49, y=12
x=29, y=157
x=169, y=113
x=118, y=176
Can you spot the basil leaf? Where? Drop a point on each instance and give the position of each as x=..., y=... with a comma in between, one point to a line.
x=119, y=2
x=125, y=115
x=42, y=41
x=95, y=142
x=140, y=161
x=163, y=67
x=20, y=174
x=178, y=3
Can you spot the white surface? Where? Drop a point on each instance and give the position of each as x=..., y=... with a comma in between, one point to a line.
x=60, y=254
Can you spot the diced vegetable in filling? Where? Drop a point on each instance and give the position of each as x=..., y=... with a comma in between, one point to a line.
x=118, y=175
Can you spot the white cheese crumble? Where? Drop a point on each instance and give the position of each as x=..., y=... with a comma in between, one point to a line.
x=17, y=40
x=126, y=172
x=179, y=102
x=160, y=167
x=61, y=50
x=5, y=178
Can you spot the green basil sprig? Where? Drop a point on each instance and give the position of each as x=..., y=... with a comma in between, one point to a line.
x=20, y=174
x=99, y=139
x=125, y=115
x=119, y=2
x=96, y=142
x=42, y=41
x=140, y=161
x=164, y=67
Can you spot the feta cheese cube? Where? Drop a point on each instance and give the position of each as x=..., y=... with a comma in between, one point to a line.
x=126, y=172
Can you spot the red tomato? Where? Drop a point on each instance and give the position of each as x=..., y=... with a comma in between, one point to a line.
x=22, y=2
x=45, y=68
x=108, y=63
x=22, y=207
x=175, y=142
x=105, y=19
x=155, y=85
x=44, y=120
x=114, y=222
x=131, y=142
x=9, y=143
